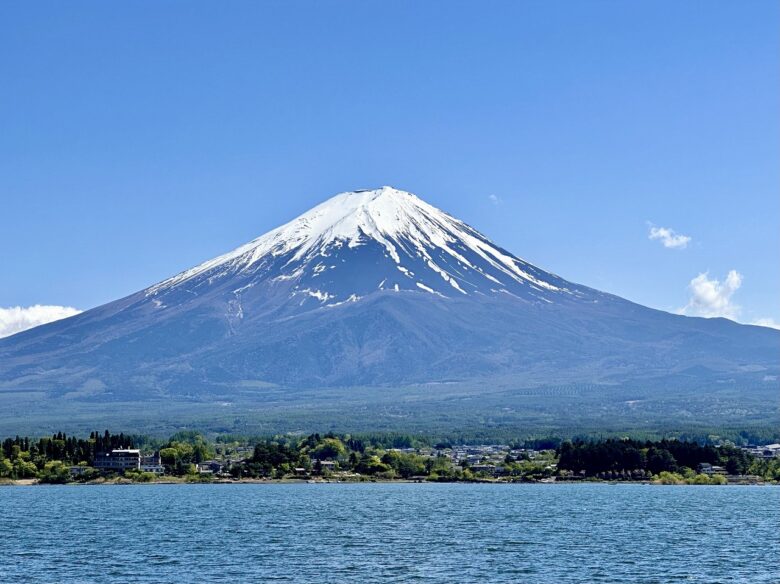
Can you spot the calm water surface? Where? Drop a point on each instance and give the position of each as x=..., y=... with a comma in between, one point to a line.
x=389, y=533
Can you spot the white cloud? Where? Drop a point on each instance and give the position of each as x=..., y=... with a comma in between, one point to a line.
x=709, y=297
x=20, y=318
x=669, y=237
x=770, y=322
x=496, y=200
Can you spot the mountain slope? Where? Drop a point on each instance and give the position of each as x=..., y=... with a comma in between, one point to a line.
x=373, y=288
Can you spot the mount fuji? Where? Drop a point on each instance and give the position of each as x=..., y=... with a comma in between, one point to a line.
x=375, y=301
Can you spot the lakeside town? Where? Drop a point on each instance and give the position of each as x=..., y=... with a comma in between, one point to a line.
x=190, y=457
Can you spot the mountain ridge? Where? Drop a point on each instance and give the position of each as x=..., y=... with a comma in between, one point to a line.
x=374, y=288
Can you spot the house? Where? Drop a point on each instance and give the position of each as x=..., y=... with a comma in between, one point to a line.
x=210, y=467
x=153, y=464
x=766, y=452
x=152, y=459
x=119, y=459
x=709, y=469
x=769, y=451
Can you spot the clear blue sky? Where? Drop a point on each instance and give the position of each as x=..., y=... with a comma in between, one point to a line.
x=140, y=138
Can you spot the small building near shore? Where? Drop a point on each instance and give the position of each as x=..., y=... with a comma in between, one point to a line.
x=210, y=467
x=119, y=459
x=710, y=469
x=77, y=471
x=153, y=464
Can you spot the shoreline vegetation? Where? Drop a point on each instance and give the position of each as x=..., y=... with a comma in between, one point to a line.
x=190, y=457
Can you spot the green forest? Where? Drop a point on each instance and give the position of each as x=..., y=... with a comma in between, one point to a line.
x=670, y=460
x=60, y=459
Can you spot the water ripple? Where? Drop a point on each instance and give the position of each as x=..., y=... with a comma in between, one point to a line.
x=377, y=533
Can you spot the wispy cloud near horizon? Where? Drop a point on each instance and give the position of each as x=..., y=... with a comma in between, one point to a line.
x=16, y=319
x=767, y=322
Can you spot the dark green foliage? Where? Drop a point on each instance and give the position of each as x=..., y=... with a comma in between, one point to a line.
x=658, y=460
x=183, y=450
x=375, y=456
x=458, y=413
x=66, y=448
x=269, y=456
x=596, y=457
x=28, y=458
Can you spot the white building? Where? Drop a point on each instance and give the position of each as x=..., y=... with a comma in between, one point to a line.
x=119, y=459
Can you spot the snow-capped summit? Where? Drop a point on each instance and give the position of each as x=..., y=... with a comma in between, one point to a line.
x=401, y=244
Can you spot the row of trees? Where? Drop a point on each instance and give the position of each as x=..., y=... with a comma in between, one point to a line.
x=368, y=456
x=275, y=458
x=48, y=458
x=671, y=456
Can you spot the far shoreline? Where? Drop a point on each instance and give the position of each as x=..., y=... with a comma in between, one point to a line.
x=124, y=483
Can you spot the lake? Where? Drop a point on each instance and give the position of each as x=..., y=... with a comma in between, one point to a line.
x=390, y=532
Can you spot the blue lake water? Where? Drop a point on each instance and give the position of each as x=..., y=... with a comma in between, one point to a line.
x=389, y=533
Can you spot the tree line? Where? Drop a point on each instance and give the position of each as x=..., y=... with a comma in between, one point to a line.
x=379, y=456
x=595, y=457
x=49, y=457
